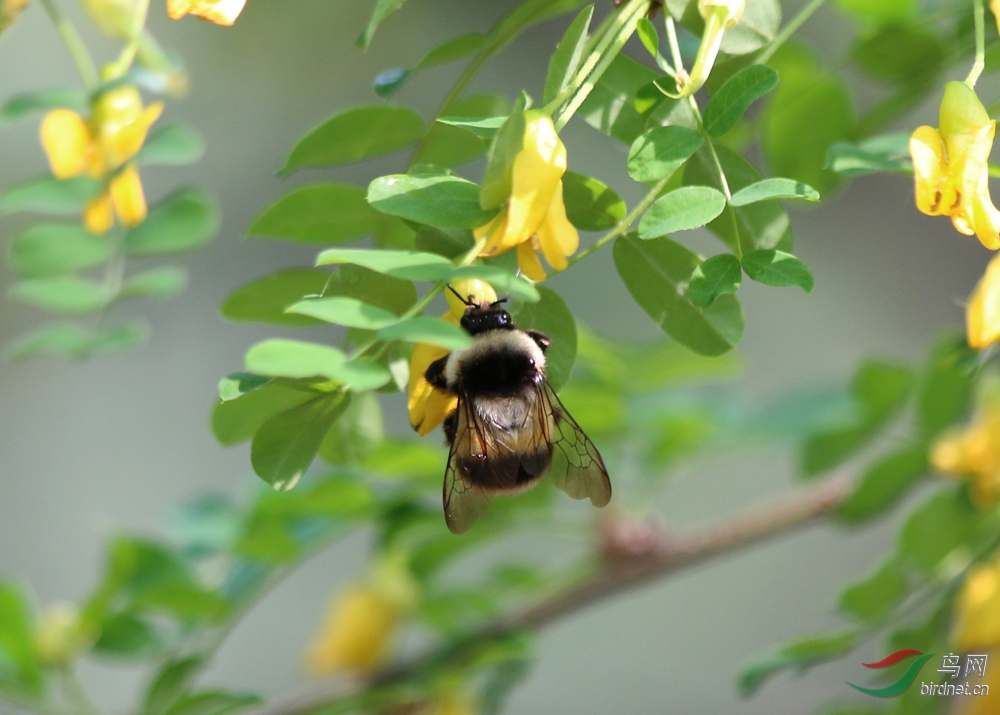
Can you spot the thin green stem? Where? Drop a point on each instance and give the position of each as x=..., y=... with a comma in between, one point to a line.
x=601, y=58
x=127, y=56
x=980, y=63
x=74, y=43
x=788, y=30
x=675, y=48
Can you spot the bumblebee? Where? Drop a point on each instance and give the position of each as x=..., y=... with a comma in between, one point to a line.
x=509, y=430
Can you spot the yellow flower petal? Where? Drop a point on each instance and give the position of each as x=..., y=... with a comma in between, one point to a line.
x=494, y=233
x=537, y=170
x=930, y=171
x=128, y=197
x=177, y=9
x=977, y=610
x=221, y=12
x=471, y=289
x=528, y=262
x=985, y=217
x=355, y=634
x=68, y=145
x=427, y=405
x=98, y=216
x=557, y=237
x=982, y=314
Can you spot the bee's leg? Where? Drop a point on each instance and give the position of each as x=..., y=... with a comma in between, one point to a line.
x=541, y=339
x=435, y=374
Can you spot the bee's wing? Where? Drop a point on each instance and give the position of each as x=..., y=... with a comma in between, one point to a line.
x=464, y=502
x=577, y=467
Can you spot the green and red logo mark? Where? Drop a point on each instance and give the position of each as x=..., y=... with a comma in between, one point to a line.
x=905, y=680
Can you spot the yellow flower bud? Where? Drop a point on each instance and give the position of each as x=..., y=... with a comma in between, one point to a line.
x=128, y=197
x=67, y=142
x=98, y=215
x=122, y=124
x=427, y=405
x=719, y=16
x=950, y=165
x=60, y=635
x=355, y=635
x=9, y=10
x=221, y=12
x=115, y=18
x=731, y=11
x=973, y=453
x=977, y=610
x=982, y=314
x=472, y=290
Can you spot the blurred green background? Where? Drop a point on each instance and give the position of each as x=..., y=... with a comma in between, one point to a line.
x=115, y=444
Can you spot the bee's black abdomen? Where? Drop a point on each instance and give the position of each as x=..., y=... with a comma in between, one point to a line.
x=498, y=374
x=506, y=471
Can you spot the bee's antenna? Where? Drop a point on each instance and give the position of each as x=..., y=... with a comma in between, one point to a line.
x=501, y=300
x=464, y=300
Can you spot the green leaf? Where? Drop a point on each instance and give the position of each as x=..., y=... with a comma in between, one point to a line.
x=237, y=384
x=296, y=359
x=265, y=299
x=680, y=210
x=884, y=484
x=773, y=189
x=501, y=280
x=661, y=151
x=936, y=528
x=120, y=338
x=876, y=597
x=590, y=204
x=887, y=153
x=799, y=655
x=161, y=282
x=551, y=316
x=173, y=678
x=388, y=83
x=809, y=112
x=448, y=242
x=352, y=281
x=67, y=294
x=442, y=201
x=610, y=107
x=236, y=420
x=947, y=385
x=568, y=55
x=760, y=225
x=653, y=272
x=428, y=330
x=17, y=644
x=21, y=105
x=649, y=37
x=355, y=135
x=127, y=636
x=450, y=145
x=733, y=98
x=213, y=702
x=52, y=249
x=411, y=265
x=486, y=127
x=383, y=8
x=498, y=176
x=758, y=27
x=186, y=220
x=899, y=53
x=879, y=12
x=717, y=276
x=777, y=268
x=49, y=195
x=321, y=213
x=66, y=340
x=355, y=436
x=344, y=311
x=284, y=445
x=172, y=145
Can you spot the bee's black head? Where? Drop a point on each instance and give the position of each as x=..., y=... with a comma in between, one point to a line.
x=481, y=317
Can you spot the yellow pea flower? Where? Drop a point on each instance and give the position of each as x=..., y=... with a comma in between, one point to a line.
x=535, y=216
x=221, y=12
x=973, y=453
x=950, y=165
x=427, y=405
x=60, y=635
x=977, y=610
x=982, y=314
x=358, y=629
x=102, y=147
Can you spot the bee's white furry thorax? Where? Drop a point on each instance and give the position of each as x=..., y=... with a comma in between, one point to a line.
x=492, y=341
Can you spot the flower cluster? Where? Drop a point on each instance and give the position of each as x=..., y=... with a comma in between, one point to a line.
x=973, y=453
x=103, y=147
x=535, y=215
x=950, y=165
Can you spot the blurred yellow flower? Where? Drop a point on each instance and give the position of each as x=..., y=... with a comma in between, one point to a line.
x=9, y=10
x=535, y=217
x=103, y=147
x=60, y=635
x=452, y=705
x=973, y=453
x=360, y=624
x=982, y=314
x=950, y=165
x=221, y=12
x=977, y=610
